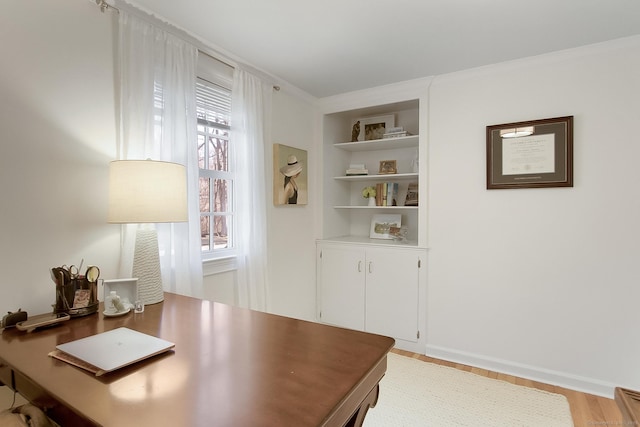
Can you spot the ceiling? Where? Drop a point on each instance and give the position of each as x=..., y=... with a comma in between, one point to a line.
x=335, y=46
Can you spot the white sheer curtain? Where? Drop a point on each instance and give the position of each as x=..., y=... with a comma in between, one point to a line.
x=251, y=109
x=158, y=121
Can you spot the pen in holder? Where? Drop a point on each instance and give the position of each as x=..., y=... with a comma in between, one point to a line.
x=76, y=295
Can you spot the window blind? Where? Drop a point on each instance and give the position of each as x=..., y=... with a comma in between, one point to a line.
x=213, y=104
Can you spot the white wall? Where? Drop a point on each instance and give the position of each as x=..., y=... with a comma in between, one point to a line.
x=541, y=282
x=291, y=231
x=57, y=135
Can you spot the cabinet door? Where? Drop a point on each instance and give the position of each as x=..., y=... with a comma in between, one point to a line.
x=341, y=280
x=392, y=293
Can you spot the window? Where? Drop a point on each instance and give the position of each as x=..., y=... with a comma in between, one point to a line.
x=216, y=166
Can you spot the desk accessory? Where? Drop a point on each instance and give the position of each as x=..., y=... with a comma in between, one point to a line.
x=115, y=306
x=12, y=318
x=42, y=320
x=76, y=294
x=116, y=313
x=112, y=304
x=147, y=192
x=126, y=289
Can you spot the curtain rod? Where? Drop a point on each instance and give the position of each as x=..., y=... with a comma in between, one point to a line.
x=104, y=6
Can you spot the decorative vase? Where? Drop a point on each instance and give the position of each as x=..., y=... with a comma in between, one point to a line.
x=372, y=201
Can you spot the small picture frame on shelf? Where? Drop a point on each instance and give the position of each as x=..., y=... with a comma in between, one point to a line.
x=381, y=226
x=412, y=195
x=371, y=128
x=387, y=167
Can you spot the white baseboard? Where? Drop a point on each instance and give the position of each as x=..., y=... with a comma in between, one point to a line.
x=561, y=379
x=414, y=347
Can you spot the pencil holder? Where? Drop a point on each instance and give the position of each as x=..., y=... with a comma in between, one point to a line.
x=75, y=295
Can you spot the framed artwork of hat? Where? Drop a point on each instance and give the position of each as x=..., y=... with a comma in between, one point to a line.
x=290, y=185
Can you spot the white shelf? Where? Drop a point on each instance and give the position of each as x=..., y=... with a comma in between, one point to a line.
x=387, y=177
x=361, y=240
x=377, y=207
x=380, y=144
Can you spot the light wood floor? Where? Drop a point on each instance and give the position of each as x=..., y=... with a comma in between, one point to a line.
x=587, y=410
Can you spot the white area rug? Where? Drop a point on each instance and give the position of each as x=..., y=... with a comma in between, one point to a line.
x=422, y=394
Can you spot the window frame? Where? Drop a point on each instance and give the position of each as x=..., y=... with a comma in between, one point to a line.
x=213, y=254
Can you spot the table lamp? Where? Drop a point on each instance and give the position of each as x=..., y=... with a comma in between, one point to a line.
x=147, y=192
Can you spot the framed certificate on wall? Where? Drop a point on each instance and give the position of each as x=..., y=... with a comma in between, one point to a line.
x=533, y=154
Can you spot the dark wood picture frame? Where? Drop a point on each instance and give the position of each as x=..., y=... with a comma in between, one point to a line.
x=543, y=158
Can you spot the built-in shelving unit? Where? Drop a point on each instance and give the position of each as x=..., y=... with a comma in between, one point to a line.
x=375, y=285
x=346, y=214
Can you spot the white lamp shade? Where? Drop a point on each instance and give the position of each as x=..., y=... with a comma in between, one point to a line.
x=144, y=191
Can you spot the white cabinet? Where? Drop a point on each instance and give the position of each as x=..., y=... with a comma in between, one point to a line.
x=392, y=292
x=341, y=277
x=377, y=289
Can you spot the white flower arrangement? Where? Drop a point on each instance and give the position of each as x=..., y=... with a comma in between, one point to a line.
x=368, y=192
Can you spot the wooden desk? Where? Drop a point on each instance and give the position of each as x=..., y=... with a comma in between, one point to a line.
x=230, y=367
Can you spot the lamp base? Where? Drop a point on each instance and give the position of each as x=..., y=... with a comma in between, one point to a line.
x=146, y=266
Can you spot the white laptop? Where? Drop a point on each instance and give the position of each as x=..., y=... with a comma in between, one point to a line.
x=111, y=350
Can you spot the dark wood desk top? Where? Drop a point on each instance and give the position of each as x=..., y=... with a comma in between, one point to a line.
x=230, y=367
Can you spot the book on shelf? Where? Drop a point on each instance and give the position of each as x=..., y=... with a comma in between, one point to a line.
x=395, y=134
x=392, y=194
x=387, y=194
x=357, y=169
x=412, y=195
x=355, y=172
x=395, y=129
